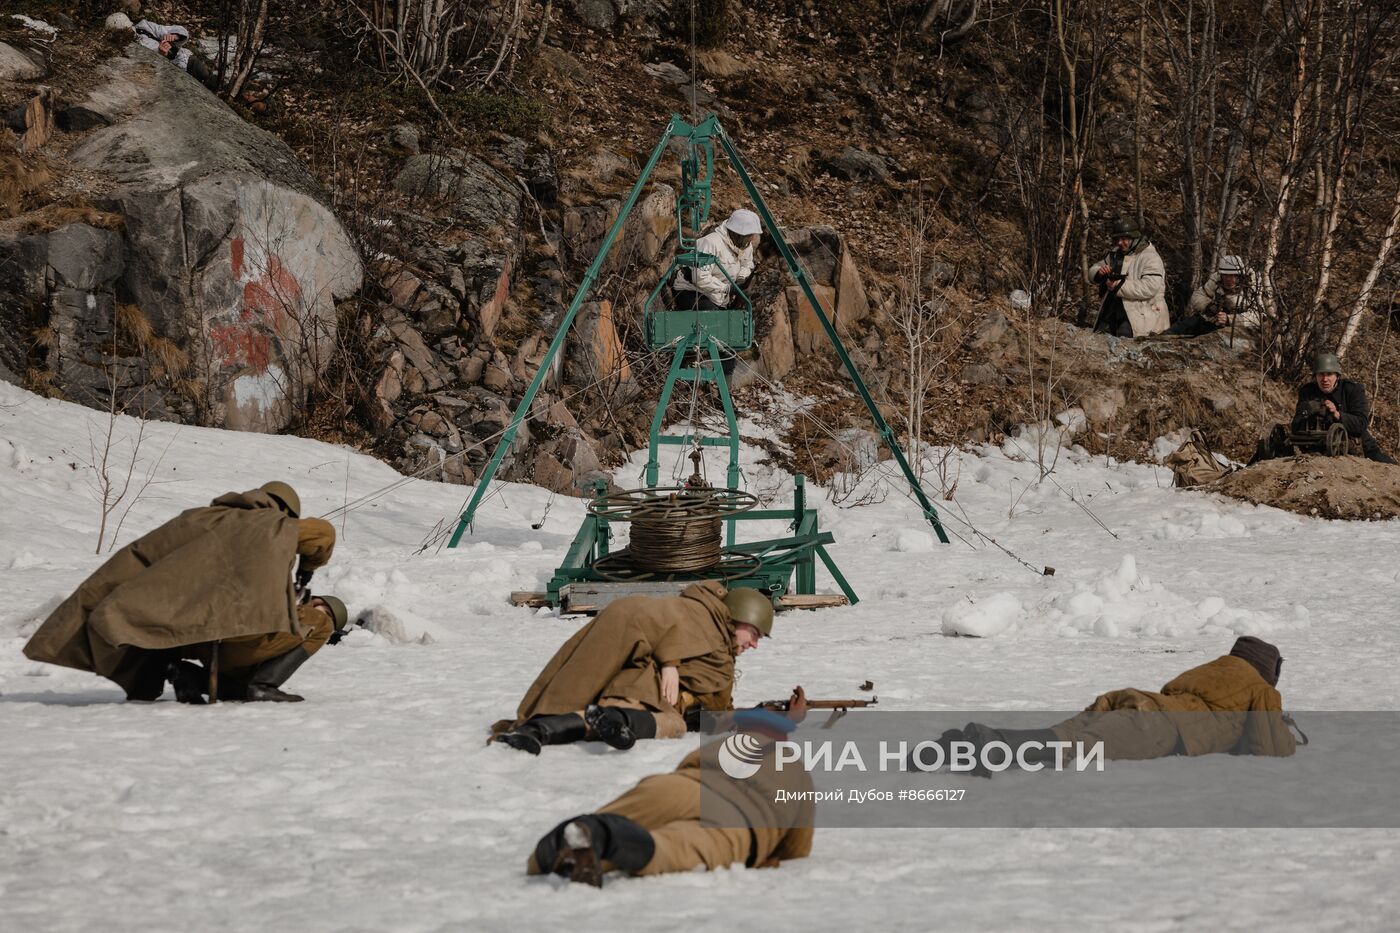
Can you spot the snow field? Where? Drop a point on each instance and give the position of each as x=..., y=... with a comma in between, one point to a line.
x=376, y=805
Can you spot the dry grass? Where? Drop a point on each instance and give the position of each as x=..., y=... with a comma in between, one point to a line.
x=54, y=216
x=41, y=382
x=47, y=338
x=133, y=323
x=170, y=359
x=22, y=181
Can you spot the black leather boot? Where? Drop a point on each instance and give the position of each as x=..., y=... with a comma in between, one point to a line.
x=268, y=676
x=232, y=688
x=1019, y=737
x=620, y=728
x=539, y=731
x=189, y=680
x=577, y=848
x=981, y=736
x=143, y=673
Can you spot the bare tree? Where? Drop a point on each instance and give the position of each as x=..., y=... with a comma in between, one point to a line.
x=115, y=453
x=1363, y=297
x=452, y=44
x=238, y=52
x=922, y=317
x=957, y=15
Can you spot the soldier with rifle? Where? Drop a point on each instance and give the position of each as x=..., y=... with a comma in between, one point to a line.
x=639, y=667
x=1132, y=285
x=657, y=827
x=1231, y=704
x=220, y=574
x=1224, y=300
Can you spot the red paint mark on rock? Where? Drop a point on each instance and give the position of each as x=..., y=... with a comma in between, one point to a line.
x=270, y=301
x=239, y=346
x=276, y=294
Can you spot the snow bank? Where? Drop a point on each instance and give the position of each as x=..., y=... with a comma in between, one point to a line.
x=983, y=618
x=1116, y=604
x=384, y=774
x=1212, y=525
x=913, y=541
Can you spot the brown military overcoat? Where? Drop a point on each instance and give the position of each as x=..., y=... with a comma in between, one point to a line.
x=620, y=654
x=699, y=817
x=1222, y=706
x=217, y=572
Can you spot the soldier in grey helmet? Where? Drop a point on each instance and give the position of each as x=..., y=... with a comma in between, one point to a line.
x=1341, y=401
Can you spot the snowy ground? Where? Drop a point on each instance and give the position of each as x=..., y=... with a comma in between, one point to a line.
x=376, y=805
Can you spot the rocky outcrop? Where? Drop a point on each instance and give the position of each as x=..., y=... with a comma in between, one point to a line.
x=20, y=64
x=219, y=240
x=478, y=192
x=787, y=325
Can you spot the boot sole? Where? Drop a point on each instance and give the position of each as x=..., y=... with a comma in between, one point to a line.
x=522, y=743
x=609, y=732
x=578, y=861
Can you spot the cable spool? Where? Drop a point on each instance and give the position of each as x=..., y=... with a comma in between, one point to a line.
x=675, y=529
x=675, y=546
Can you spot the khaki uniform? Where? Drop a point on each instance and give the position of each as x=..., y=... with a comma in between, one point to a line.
x=616, y=660
x=1223, y=706
x=218, y=573
x=742, y=825
x=238, y=656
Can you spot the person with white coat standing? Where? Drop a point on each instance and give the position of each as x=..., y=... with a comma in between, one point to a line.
x=1132, y=285
x=732, y=244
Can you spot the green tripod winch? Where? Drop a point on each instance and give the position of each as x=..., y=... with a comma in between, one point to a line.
x=699, y=341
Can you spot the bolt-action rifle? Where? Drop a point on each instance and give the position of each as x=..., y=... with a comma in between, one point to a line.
x=782, y=706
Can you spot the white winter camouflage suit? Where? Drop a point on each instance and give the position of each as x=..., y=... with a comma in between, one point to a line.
x=149, y=34
x=1246, y=312
x=1144, y=289
x=709, y=281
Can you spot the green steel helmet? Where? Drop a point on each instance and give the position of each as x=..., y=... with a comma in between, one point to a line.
x=285, y=495
x=1327, y=363
x=751, y=607
x=1123, y=226
x=339, y=613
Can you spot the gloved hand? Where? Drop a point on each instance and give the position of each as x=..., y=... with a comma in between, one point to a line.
x=303, y=585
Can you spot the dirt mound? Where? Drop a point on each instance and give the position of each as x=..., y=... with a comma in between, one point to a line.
x=1350, y=488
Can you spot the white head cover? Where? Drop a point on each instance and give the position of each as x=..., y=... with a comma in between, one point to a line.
x=118, y=22
x=743, y=222
x=1231, y=265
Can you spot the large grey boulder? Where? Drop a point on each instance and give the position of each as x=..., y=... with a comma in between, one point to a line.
x=230, y=249
x=85, y=257
x=859, y=165
x=17, y=64
x=600, y=15
x=478, y=193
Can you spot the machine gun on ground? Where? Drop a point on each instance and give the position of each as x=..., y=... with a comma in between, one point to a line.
x=1319, y=434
